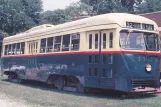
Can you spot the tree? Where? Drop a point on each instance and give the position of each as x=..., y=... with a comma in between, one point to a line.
x=53, y=17
x=97, y=6
x=32, y=8
x=15, y=18
x=130, y=4
x=107, y=6
x=75, y=10
x=149, y=6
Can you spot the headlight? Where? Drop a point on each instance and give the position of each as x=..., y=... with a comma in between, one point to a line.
x=148, y=68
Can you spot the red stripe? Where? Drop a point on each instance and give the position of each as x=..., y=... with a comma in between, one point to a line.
x=85, y=52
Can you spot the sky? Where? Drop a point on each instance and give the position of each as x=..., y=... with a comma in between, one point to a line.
x=56, y=4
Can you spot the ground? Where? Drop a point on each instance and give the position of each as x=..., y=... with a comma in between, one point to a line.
x=33, y=94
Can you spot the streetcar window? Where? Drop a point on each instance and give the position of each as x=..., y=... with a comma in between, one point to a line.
x=18, y=49
x=96, y=41
x=6, y=50
x=90, y=41
x=33, y=45
x=95, y=72
x=29, y=45
x=58, y=39
x=50, y=44
x=66, y=43
x=36, y=48
x=111, y=40
x=75, y=38
x=152, y=41
x=10, y=50
x=90, y=59
x=57, y=43
x=103, y=73
x=110, y=59
x=104, y=40
x=1, y=49
x=22, y=47
x=14, y=49
x=133, y=40
x=43, y=46
x=96, y=59
x=90, y=72
x=110, y=73
x=104, y=59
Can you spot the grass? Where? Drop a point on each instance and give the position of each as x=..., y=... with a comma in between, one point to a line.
x=41, y=95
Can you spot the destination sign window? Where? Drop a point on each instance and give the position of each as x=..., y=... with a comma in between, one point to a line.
x=143, y=26
x=133, y=25
x=147, y=26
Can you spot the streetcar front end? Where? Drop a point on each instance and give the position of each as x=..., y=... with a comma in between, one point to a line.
x=140, y=60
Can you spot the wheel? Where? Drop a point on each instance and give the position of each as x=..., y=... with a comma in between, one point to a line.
x=14, y=78
x=60, y=82
x=79, y=88
x=11, y=77
x=21, y=81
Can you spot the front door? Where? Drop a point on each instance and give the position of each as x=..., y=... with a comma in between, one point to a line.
x=100, y=61
x=92, y=74
x=106, y=67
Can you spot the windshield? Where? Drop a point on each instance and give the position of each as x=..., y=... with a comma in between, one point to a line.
x=139, y=41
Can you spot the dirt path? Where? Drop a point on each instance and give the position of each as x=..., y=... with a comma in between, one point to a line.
x=7, y=102
x=40, y=95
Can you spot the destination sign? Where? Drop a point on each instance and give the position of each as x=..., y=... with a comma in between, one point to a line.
x=143, y=26
x=133, y=25
x=147, y=27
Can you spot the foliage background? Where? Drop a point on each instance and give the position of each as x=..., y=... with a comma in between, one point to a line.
x=20, y=15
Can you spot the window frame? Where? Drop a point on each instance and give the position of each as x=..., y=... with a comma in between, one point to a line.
x=6, y=50
x=111, y=40
x=96, y=40
x=110, y=73
x=73, y=45
x=59, y=44
x=66, y=44
x=103, y=73
x=96, y=59
x=10, y=49
x=43, y=45
x=90, y=41
x=49, y=47
x=22, y=49
x=14, y=49
x=104, y=41
x=96, y=72
x=18, y=50
x=90, y=61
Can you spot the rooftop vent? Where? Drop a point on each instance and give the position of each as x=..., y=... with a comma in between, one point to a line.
x=79, y=17
x=40, y=27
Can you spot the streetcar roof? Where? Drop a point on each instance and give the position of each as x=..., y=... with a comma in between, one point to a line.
x=105, y=19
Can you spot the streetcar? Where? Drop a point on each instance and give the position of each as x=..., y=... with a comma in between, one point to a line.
x=116, y=51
